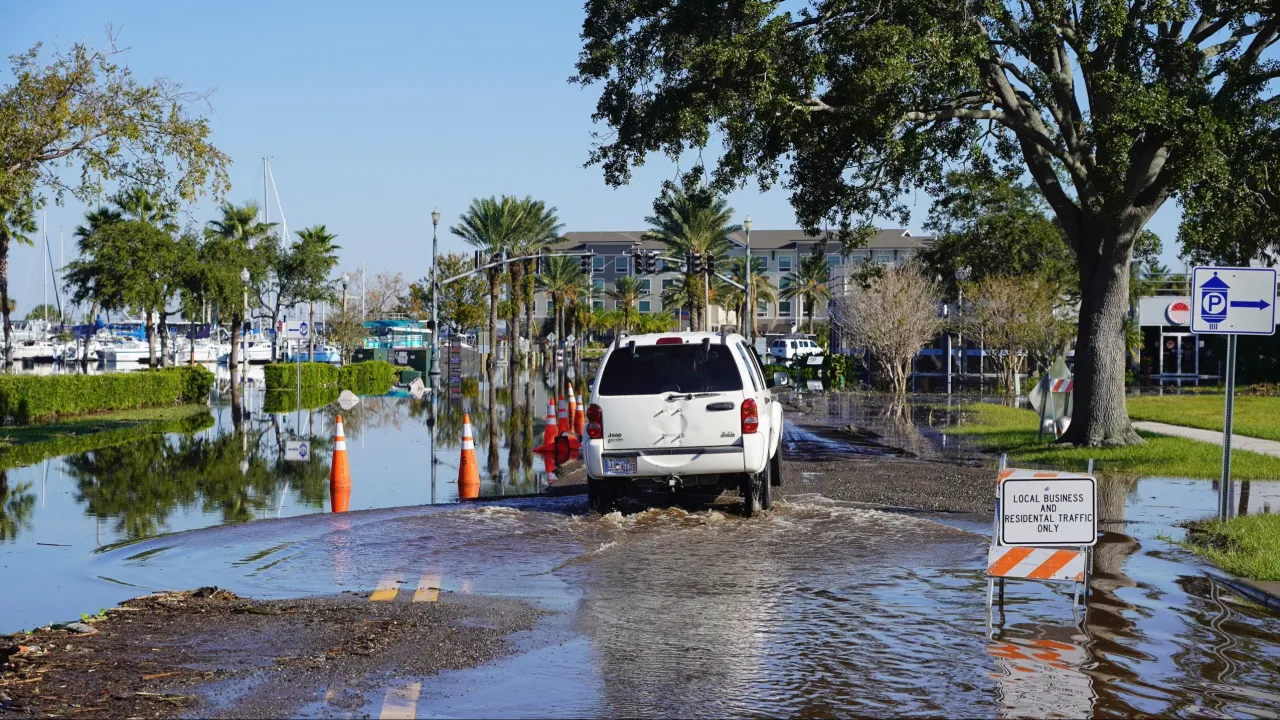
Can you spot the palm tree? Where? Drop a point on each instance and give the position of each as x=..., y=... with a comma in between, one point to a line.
x=762, y=289
x=95, y=220
x=561, y=280
x=689, y=223
x=540, y=227
x=320, y=253
x=139, y=203
x=808, y=282
x=492, y=226
x=240, y=226
x=17, y=221
x=626, y=292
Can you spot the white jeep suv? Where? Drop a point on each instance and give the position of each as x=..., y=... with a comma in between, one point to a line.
x=683, y=411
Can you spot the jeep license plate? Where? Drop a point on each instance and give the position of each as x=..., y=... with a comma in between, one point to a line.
x=619, y=466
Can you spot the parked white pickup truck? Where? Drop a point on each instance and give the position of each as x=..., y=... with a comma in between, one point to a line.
x=683, y=411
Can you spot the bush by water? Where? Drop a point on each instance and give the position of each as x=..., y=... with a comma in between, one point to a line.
x=374, y=377
x=28, y=398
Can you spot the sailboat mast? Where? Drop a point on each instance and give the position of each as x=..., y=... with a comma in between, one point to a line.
x=44, y=266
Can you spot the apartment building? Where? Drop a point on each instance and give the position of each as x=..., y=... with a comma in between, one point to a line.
x=781, y=252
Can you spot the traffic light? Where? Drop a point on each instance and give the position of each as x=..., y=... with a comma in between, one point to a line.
x=695, y=263
x=477, y=262
x=637, y=258
x=539, y=265
x=651, y=261
x=711, y=264
x=585, y=262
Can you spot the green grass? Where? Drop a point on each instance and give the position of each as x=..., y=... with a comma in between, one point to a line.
x=30, y=444
x=1246, y=546
x=1257, y=417
x=996, y=428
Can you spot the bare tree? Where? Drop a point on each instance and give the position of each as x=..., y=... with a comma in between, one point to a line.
x=893, y=316
x=1018, y=319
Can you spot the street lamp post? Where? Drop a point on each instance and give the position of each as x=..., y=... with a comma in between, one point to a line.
x=435, y=290
x=244, y=340
x=962, y=274
x=749, y=319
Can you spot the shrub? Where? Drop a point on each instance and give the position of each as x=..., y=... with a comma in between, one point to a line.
x=286, y=401
x=26, y=398
x=283, y=376
x=374, y=377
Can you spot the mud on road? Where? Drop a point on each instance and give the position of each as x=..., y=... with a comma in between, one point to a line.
x=210, y=653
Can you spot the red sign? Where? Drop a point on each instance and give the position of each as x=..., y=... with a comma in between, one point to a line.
x=1178, y=312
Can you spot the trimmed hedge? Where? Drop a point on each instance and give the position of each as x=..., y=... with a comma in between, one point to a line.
x=283, y=376
x=372, y=377
x=27, y=398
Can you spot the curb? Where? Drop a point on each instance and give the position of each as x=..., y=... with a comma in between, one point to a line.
x=1248, y=589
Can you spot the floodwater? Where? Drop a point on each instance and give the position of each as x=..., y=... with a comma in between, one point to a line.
x=817, y=608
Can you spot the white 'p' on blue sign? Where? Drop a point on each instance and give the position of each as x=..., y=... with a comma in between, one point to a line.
x=1233, y=301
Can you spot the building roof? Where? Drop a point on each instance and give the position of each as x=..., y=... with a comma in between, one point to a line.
x=760, y=239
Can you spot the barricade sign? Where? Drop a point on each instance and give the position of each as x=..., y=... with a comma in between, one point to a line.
x=1039, y=509
x=1046, y=524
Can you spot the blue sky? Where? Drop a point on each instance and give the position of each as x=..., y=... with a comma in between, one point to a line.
x=373, y=113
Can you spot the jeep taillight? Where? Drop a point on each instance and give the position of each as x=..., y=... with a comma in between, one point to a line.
x=595, y=423
x=750, y=417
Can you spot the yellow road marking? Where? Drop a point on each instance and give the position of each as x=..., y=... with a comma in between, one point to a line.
x=387, y=588
x=428, y=587
x=401, y=703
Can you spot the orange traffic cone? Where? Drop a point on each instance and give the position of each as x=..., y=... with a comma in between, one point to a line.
x=562, y=418
x=580, y=418
x=549, y=431
x=339, y=473
x=573, y=409
x=468, y=470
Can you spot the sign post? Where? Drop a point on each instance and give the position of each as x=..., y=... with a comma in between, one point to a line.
x=1232, y=301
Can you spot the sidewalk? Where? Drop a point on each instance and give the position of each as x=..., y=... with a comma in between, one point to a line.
x=1238, y=442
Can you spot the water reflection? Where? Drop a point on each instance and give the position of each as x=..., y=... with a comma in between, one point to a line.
x=16, y=506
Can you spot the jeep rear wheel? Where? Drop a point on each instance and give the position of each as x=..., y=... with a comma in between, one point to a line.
x=756, y=492
x=775, y=468
x=603, y=494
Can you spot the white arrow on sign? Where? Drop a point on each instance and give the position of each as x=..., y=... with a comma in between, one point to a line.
x=417, y=388
x=296, y=450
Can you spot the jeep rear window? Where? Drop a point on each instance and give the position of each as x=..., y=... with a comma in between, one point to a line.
x=654, y=369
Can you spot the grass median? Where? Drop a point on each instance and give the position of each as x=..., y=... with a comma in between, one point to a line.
x=1257, y=417
x=1246, y=546
x=996, y=428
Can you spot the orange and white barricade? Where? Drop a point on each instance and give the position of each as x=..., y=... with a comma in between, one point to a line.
x=1046, y=524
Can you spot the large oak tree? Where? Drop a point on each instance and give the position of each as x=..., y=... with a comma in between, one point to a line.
x=1112, y=107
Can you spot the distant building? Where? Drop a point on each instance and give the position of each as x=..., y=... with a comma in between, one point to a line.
x=780, y=250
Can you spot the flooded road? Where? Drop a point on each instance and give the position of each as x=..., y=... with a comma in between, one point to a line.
x=820, y=607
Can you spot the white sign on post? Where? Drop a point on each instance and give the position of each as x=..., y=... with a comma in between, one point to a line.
x=296, y=330
x=1233, y=301
x=296, y=450
x=1048, y=511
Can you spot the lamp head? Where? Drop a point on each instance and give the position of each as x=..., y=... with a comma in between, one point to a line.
x=962, y=274
x=435, y=216
x=746, y=224
x=244, y=275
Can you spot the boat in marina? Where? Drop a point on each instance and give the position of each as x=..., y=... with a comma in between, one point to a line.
x=37, y=351
x=323, y=354
x=125, y=350
x=257, y=353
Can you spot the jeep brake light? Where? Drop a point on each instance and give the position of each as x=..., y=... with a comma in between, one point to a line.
x=595, y=423
x=750, y=417
x=670, y=341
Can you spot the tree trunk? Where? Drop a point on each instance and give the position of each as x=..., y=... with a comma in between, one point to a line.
x=164, y=339
x=528, y=291
x=311, y=332
x=1099, y=416
x=4, y=303
x=93, y=320
x=493, y=321
x=151, y=340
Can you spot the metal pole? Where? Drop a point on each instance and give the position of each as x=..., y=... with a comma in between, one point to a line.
x=960, y=336
x=1224, y=486
x=435, y=304
x=947, y=345
x=706, y=300
x=749, y=322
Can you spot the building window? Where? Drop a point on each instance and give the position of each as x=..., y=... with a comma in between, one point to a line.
x=884, y=258
x=668, y=282
x=857, y=257
x=645, y=284
x=784, y=283
x=762, y=309
x=764, y=263
x=645, y=306
x=784, y=263
x=833, y=261
x=597, y=263
x=620, y=264
x=598, y=284
x=784, y=308
x=551, y=308
x=597, y=304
